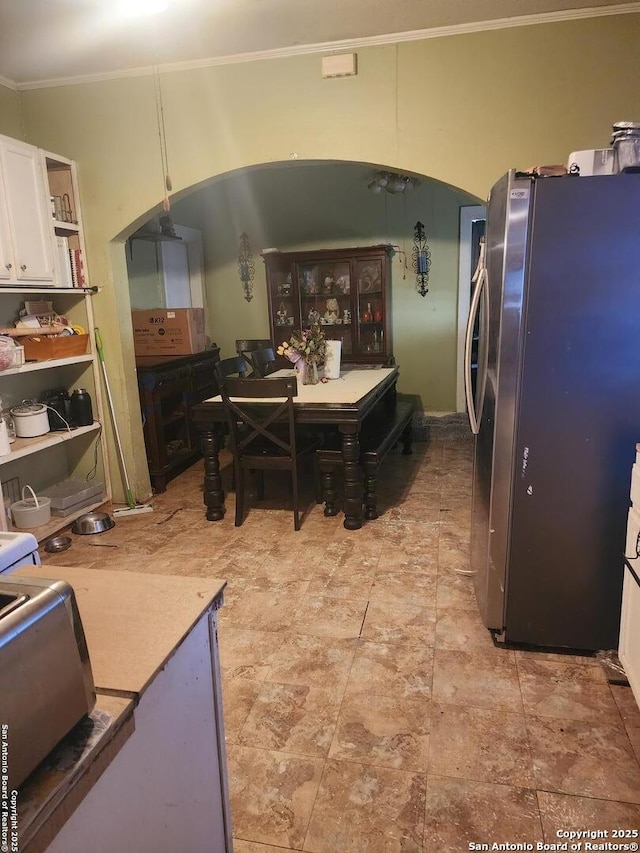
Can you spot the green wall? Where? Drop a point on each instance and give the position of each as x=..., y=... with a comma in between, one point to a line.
x=10, y=116
x=460, y=109
x=312, y=206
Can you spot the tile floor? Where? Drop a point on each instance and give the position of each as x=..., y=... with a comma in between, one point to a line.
x=367, y=708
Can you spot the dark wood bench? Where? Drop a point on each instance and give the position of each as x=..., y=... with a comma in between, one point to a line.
x=376, y=440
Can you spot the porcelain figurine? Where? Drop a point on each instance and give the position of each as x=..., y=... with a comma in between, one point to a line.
x=333, y=310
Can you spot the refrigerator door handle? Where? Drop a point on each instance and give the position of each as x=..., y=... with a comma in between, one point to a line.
x=468, y=343
x=484, y=332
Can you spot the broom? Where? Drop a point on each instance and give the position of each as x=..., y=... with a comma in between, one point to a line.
x=132, y=508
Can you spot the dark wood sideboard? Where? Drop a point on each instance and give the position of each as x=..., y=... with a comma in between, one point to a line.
x=169, y=387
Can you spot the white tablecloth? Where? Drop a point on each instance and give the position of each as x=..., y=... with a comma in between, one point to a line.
x=352, y=386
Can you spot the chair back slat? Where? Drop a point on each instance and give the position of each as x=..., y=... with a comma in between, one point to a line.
x=263, y=361
x=277, y=386
x=246, y=347
x=234, y=366
x=249, y=422
x=261, y=418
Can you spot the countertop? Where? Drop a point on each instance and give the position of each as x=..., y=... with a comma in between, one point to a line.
x=133, y=623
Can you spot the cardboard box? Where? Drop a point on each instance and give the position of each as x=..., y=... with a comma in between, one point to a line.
x=168, y=331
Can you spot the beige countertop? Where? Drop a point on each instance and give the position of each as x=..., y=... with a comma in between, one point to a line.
x=132, y=623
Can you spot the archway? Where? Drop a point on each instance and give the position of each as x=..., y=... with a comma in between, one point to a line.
x=319, y=204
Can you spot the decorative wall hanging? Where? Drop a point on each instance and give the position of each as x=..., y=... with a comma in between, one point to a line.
x=246, y=266
x=421, y=259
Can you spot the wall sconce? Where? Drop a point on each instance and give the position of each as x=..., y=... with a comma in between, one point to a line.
x=246, y=266
x=421, y=259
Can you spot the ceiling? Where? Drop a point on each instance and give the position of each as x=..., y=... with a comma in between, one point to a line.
x=42, y=41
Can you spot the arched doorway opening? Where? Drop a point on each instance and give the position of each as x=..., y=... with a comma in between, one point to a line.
x=328, y=204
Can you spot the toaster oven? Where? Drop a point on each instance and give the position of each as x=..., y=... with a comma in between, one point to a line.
x=46, y=683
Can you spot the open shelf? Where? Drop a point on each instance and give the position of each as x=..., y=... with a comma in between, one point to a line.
x=48, y=288
x=54, y=197
x=59, y=522
x=60, y=225
x=22, y=447
x=46, y=365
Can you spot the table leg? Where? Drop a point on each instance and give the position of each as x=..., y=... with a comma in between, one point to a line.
x=213, y=494
x=328, y=492
x=370, y=490
x=352, y=481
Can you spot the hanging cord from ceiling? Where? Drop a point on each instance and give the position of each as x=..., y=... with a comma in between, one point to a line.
x=162, y=134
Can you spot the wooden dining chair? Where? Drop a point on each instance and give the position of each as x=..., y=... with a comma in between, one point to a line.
x=234, y=366
x=264, y=361
x=263, y=437
x=246, y=347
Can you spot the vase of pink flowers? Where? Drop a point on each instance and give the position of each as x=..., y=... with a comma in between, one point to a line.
x=306, y=351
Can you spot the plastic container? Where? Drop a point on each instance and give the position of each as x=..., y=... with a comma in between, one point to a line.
x=7, y=352
x=5, y=446
x=73, y=494
x=31, y=512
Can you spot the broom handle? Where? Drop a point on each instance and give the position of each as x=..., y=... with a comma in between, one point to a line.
x=130, y=500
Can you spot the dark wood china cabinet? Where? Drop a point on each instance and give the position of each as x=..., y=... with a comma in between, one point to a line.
x=346, y=291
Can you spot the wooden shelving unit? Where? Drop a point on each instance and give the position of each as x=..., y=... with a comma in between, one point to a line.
x=51, y=182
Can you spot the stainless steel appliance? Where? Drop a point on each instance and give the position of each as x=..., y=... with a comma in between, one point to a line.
x=46, y=683
x=557, y=407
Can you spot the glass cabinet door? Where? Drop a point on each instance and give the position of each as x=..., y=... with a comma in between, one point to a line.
x=345, y=291
x=325, y=298
x=283, y=306
x=370, y=307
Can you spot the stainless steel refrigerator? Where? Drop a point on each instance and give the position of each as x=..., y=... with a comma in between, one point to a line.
x=556, y=407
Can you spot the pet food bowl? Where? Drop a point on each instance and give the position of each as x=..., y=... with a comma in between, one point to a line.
x=57, y=544
x=93, y=522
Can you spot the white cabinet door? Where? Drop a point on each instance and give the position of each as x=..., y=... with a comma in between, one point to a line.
x=30, y=228
x=6, y=252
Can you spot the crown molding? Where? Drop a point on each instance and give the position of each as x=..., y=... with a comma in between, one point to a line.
x=344, y=45
x=8, y=84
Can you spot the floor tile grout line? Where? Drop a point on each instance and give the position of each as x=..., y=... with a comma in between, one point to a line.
x=396, y=529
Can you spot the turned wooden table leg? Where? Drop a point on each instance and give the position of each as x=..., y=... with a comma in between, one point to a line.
x=328, y=489
x=352, y=481
x=213, y=493
x=370, y=490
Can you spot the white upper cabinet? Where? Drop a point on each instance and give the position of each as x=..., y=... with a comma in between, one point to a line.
x=6, y=251
x=26, y=250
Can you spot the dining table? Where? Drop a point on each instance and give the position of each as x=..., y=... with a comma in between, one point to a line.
x=343, y=404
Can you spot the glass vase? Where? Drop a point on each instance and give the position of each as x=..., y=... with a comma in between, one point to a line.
x=309, y=374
